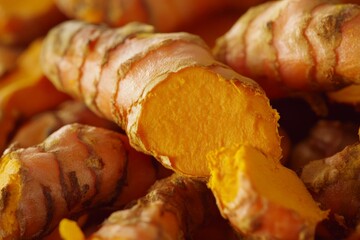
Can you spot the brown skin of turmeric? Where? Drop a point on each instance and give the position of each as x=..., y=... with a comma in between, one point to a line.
x=334, y=183
x=173, y=209
x=295, y=46
x=325, y=138
x=75, y=169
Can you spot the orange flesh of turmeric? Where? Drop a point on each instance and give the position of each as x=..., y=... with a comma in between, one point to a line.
x=268, y=179
x=286, y=188
x=9, y=183
x=69, y=230
x=195, y=111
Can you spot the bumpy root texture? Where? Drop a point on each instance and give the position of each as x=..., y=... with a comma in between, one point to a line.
x=75, y=169
x=23, y=21
x=164, y=15
x=173, y=209
x=334, y=182
x=166, y=91
x=22, y=92
x=289, y=46
x=260, y=197
x=325, y=138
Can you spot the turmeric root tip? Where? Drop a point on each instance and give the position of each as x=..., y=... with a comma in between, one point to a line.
x=260, y=197
x=173, y=209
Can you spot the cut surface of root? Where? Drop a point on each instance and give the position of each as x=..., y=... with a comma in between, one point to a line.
x=196, y=111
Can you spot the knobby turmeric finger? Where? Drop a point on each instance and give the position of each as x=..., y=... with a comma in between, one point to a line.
x=75, y=169
x=169, y=94
x=334, y=183
x=173, y=209
x=262, y=198
x=324, y=139
x=289, y=46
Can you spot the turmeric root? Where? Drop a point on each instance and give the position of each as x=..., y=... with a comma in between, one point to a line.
x=325, y=139
x=75, y=169
x=23, y=21
x=24, y=92
x=173, y=208
x=165, y=15
x=39, y=127
x=156, y=86
x=289, y=46
x=334, y=182
x=261, y=198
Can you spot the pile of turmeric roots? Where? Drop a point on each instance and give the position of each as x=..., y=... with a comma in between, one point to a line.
x=179, y=119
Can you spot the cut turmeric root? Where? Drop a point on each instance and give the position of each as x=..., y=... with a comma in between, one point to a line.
x=166, y=91
x=260, y=197
x=173, y=209
x=24, y=92
x=77, y=168
x=289, y=46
